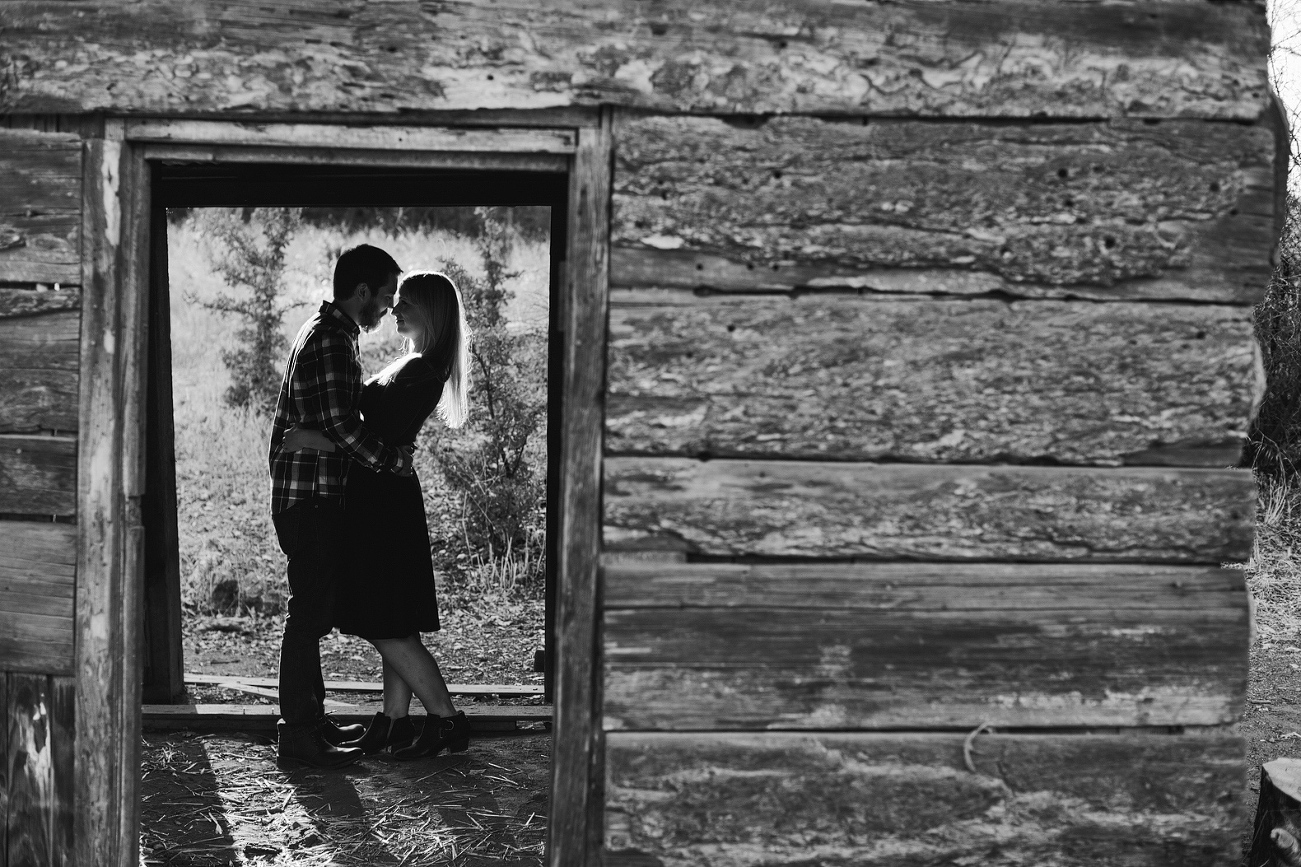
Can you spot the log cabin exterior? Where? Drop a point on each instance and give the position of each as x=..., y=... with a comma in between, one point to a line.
x=907, y=352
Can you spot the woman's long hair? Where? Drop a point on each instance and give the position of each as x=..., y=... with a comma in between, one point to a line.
x=444, y=338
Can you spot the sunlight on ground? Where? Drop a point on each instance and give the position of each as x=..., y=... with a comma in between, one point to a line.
x=485, y=806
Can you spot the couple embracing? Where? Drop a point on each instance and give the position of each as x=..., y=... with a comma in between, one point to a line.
x=348, y=510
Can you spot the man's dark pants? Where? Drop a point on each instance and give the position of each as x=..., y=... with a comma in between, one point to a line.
x=311, y=534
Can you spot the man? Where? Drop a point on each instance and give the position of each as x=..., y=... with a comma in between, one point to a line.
x=321, y=390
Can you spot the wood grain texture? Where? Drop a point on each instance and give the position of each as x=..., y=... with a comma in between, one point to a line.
x=40, y=206
x=574, y=831
x=354, y=137
x=857, y=378
x=869, y=646
x=38, y=475
x=1006, y=59
x=727, y=800
x=38, y=360
x=1117, y=209
x=100, y=520
x=30, y=832
x=734, y=508
x=37, y=580
x=63, y=738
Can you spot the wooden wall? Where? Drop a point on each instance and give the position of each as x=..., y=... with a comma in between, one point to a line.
x=917, y=429
x=40, y=316
x=929, y=351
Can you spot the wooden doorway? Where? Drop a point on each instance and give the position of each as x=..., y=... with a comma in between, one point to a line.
x=187, y=185
x=578, y=160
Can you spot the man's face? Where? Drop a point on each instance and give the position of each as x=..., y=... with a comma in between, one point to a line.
x=379, y=303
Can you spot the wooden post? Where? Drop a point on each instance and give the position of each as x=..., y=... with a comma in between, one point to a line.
x=573, y=834
x=1276, y=834
x=110, y=483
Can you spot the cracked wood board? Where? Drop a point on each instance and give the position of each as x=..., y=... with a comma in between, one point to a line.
x=928, y=380
x=775, y=508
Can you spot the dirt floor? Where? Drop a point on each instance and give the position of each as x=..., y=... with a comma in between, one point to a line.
x=1272, y=721
x=217, y=800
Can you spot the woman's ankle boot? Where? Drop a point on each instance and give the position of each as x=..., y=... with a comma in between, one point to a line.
x=375, y=737
x=451, y=733
x=385, y=731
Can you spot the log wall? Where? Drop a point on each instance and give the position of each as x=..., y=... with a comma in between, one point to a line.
x=929, y=352
x=916, y=430
x=40, y=324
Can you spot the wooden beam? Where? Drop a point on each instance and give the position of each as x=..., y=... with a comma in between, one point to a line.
x=920, y=379
x=262, y=717
x=162, y=661
x=922, y=587
x=733, y=508
x=313, y=156
x=499, y=689
x=108, y=487
x=878, y=800
x=336, y=137
x=573, y=834
x=770, y=668
x=40, y=207
x=1114, y=210
x=1014, y=58
x=916, y=645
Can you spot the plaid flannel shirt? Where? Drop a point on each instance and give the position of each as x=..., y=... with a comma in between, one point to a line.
x=322, y=391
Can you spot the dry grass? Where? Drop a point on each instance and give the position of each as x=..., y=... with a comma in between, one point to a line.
x=1274, y=571
x=485, y=806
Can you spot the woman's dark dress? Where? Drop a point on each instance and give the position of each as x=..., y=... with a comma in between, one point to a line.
x=388, y=577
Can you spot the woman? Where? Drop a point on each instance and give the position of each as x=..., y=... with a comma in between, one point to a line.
x=388, y=594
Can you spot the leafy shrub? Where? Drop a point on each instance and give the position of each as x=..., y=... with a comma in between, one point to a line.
x=1274, y=439
x=498, y=467
x=248, y=250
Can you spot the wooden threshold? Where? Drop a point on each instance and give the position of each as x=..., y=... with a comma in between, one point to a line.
x=262, y=717
x=513, y=690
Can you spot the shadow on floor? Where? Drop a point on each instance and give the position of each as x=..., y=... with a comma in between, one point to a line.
x=484, y=806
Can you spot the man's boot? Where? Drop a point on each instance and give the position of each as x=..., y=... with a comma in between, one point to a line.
x=305, y=746
x=338, y=735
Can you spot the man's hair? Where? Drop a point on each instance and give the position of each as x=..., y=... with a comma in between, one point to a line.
x=362, y=264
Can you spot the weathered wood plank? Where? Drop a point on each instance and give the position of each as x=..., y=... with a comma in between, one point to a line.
x=100, y=520
x=40, y=206
x=428, y=160
x=735, y=508
x=4, y=765
x=262, y=717
x=921, y=586
x=574, y=832
x=37, y=578
x=38, y=360
x=40, y=342
x=38, y=475
x=805, y=668
x=929, y=380
x=499, y=689
x=1006, y=59
x=337, y=137
x=30, y=835
x=876, y=800
x=1118, y=209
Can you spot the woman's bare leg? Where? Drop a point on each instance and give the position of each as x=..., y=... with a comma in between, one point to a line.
x=397, y=694
x=414, y=664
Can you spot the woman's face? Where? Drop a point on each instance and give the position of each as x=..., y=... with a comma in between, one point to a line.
x=407, y=319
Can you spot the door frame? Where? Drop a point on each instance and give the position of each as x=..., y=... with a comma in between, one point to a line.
x=111, y=439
